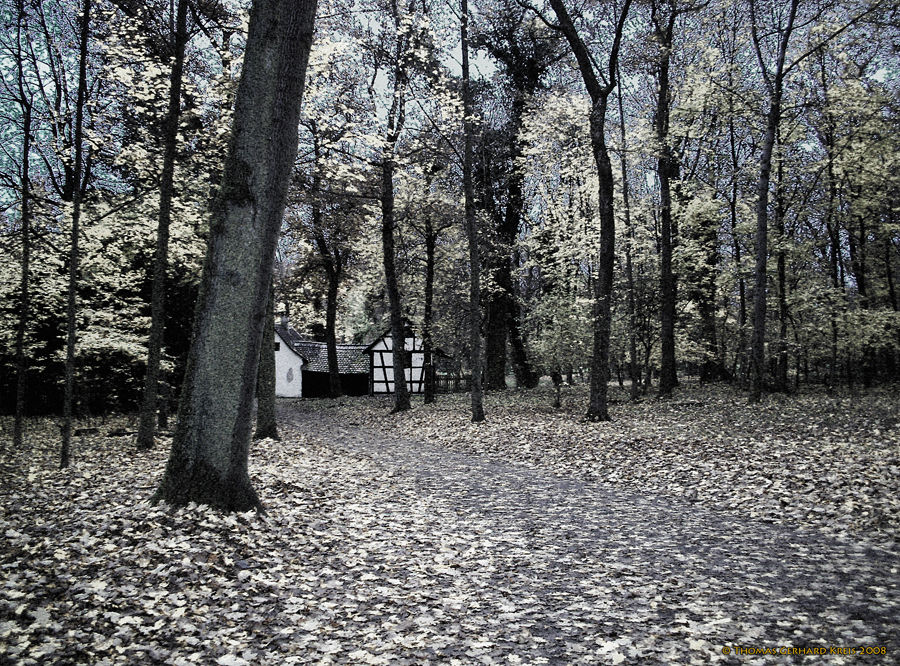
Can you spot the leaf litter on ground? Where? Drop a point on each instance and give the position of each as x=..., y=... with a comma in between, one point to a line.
x=357, y=561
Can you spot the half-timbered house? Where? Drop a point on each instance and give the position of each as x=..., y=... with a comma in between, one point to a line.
x=381, y=363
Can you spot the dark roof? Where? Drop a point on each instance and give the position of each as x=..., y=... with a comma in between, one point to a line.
x=351, y=358
x=287, y=335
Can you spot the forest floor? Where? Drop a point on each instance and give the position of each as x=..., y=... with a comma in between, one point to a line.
x=691, y=530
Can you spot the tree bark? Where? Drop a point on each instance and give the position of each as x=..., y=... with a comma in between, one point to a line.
x=208, y=460
x=398, y=328
x=148, y=420
x=334, y=371
x=599, y=93
x=395, y=121
x=739, y=369
x=667, y=170
x=266, y=421
x=72, y=296
x=773, y=118
x=633, y=374
x=427, y=344
x=475, y=356
x=25, y=220
x=781, y=364
x=333, y=263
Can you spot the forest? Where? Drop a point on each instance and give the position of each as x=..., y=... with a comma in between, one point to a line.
x=655, y=243
x=701, y=189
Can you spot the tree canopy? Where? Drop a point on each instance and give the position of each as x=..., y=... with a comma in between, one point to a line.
x=655, y=189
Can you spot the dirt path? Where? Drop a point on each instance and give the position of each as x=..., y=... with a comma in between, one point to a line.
x=565, y=571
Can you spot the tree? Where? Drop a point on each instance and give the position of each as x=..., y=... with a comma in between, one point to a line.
x=630, y=300
x=147, y=423
x=475, y=357
x=266, y=423
x=25, y=101
x=525, y=51
x=663, y=19
x=71, y=297
x=406, y=41
x=774, y=76
x=774, y=81
x=430, y=230
x=208, y=460
x=599, y=87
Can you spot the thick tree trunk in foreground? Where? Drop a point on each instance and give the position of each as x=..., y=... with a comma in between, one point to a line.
x=208, y=461
x=266, y=423
x=475, y=358
x=71, y=304
x=147, y=425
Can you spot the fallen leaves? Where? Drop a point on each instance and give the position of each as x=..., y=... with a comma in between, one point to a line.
x=531, y=539
x=813, y=460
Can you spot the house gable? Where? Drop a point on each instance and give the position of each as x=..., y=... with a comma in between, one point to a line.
x=288, y=365
x=381, y=364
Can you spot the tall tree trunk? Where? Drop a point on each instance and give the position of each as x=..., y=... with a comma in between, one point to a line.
x=333, y=263
x=475, y=357
x=667, y=170
x=266, y=421
x=334, y=371
x=773, y=117
x=427, y=344
x=781, y=365
x=858, y=238
x=398, y=329
x=147, y=424
x=599, y=93
x=629, y=264
x=758, y=340
x=24, y=284
x=208, y=460
x=71, y=300
x=739, y=369
x=834, y=251
x=395, y=120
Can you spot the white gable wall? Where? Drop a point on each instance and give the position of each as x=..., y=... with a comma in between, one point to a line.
x=288, y=371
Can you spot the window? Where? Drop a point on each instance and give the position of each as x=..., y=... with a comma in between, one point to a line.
x=277, y=346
